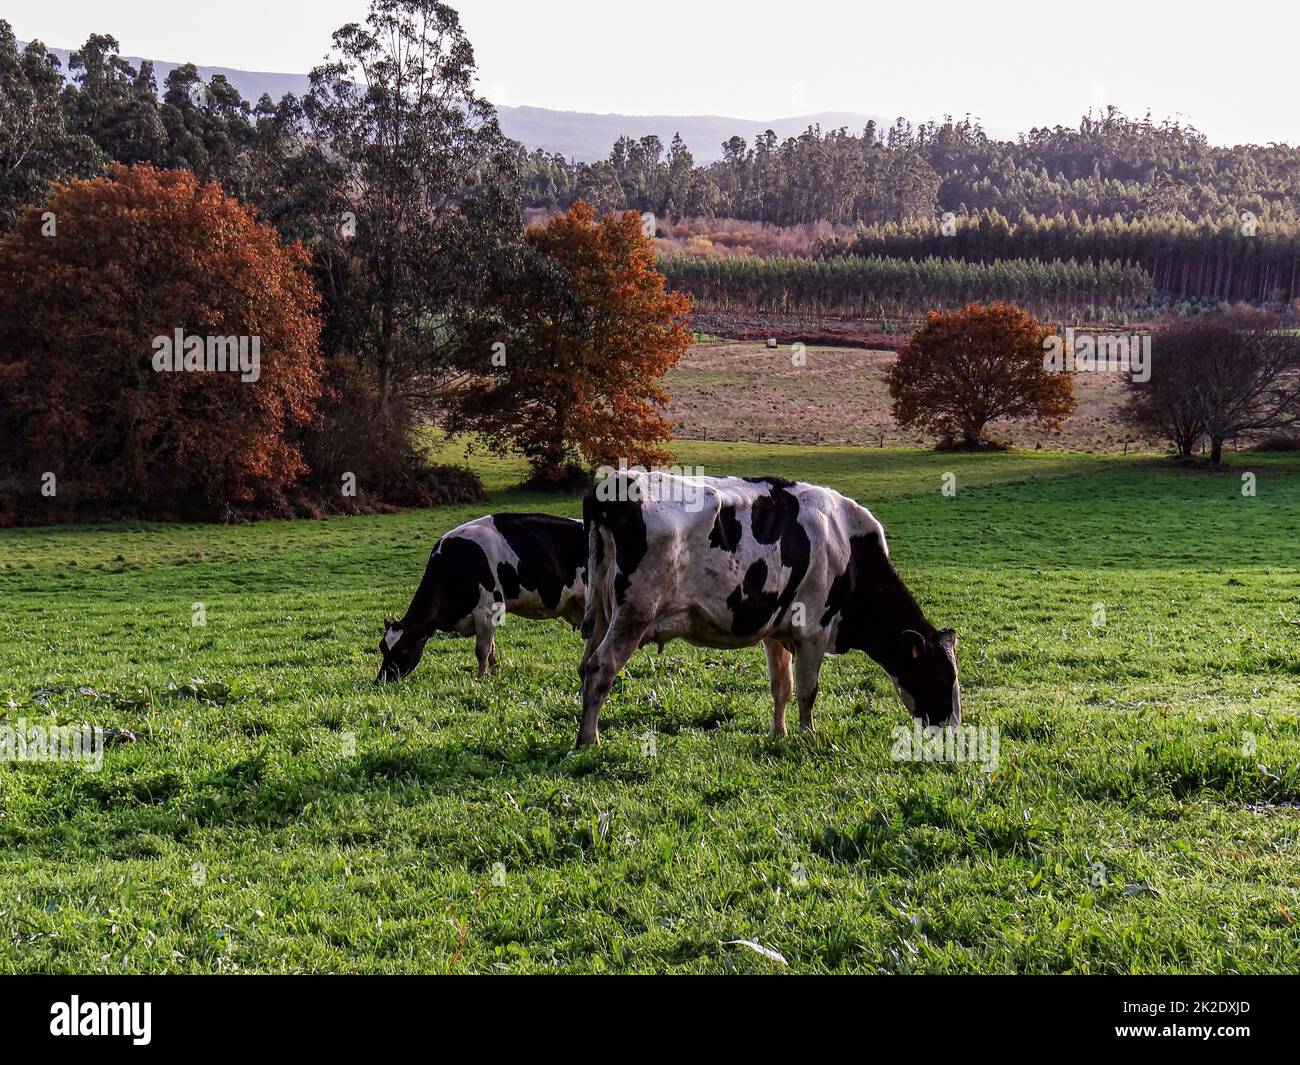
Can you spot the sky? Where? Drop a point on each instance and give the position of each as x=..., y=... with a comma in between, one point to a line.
x=1229, y=71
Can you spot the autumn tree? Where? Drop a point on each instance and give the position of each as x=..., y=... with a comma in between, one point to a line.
x=962, y=370
x=567, y=366
x=95, y=287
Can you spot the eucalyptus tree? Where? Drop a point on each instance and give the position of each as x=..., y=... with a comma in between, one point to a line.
x=37, y=146
x=418, y=192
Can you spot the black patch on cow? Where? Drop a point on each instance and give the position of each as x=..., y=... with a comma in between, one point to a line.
x=751, y=606
x=774, y=518
x=508, y=579
x=726, y=530
x=626, y=525
x=449, y=591
x=551, y=553
x=771, y=482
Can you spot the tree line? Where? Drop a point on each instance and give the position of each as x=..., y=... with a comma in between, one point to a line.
x=1107, y=166
x=876, y=287
x=1208, y=223
x=1235, y=259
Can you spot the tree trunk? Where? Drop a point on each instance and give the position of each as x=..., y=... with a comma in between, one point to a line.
x=1216, y=450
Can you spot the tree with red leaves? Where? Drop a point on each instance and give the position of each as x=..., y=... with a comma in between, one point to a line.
x=567, y=368
x=158, y=352
x=962, y=370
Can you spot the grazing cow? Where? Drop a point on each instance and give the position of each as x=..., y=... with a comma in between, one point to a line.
x=730, y=562
x=532, y=565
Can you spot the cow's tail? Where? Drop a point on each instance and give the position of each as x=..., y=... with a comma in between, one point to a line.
x=599, y=603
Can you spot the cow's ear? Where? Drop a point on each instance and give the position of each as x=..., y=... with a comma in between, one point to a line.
x=913, y=643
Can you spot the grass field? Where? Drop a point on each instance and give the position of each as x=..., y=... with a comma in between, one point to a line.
x=287, y=815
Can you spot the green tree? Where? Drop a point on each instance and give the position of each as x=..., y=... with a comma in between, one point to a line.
x=37, y=148
x=426, y=182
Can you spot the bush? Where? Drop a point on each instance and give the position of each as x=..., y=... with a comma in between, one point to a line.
x=1278, y=442
x=355, y=449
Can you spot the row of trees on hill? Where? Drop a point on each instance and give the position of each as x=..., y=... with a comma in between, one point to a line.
x=54, y=128
x=837, y=178
x=1231, y=260
x=875, y=287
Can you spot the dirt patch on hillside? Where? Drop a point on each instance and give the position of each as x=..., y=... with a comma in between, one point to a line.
x=742, y=390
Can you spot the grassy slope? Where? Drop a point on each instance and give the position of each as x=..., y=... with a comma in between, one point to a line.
x=242, y=835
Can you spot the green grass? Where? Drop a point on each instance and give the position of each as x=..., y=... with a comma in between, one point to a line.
x=304, y=819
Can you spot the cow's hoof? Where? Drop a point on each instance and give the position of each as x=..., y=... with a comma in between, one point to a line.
x=774, y=732
x=588, y=740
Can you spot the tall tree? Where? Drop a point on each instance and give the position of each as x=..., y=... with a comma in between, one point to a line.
x=423, y=182
x=113, y=103
x=37, y=147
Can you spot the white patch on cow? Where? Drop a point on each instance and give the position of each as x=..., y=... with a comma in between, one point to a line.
x=391, y=637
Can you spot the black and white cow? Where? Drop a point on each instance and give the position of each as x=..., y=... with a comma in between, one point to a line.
x=532, y=565
x=730, y=562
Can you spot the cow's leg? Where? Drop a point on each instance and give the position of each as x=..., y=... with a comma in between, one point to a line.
x=781, y=680
x=600, y=667
x=485, y=631
x=807, y=670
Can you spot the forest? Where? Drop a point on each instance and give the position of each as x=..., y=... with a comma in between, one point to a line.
x=1208, y=223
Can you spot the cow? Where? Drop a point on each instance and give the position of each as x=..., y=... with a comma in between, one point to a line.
x=729, y=562
x=533, y=565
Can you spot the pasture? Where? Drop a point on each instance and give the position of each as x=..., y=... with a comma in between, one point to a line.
x=1131, y=629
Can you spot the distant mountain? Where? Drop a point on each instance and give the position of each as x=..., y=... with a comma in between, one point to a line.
x=574, y=134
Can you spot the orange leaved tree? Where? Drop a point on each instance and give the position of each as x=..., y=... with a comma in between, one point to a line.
x=158, y=352
x=963, y=369
x=567, y=365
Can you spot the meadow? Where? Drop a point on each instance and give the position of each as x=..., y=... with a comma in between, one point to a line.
x=1132, y=630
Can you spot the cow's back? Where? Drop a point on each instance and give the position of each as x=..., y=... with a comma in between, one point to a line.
x=725, y=561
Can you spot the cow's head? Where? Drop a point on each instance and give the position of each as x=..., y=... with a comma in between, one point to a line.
x=927, y=679
x=399, y=650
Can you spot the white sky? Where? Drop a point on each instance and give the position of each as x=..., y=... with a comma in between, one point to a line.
x=1013, y=63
